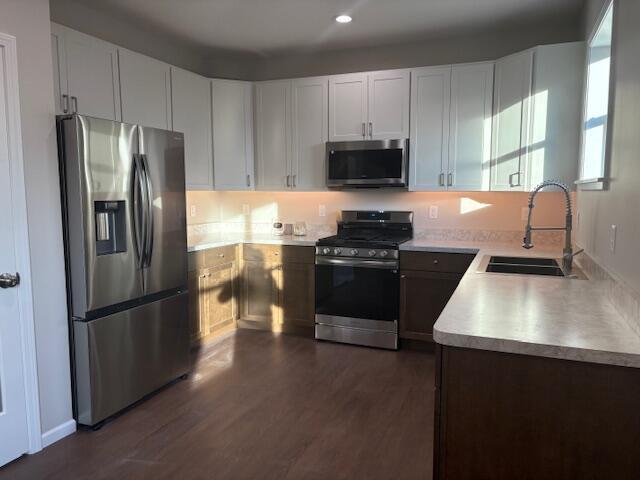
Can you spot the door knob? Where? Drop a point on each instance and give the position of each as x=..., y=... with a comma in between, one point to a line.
x=9, y=281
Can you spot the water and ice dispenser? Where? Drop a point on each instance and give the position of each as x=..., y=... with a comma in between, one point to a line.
x=111, y=235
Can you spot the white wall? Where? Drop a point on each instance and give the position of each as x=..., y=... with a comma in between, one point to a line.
x=28, y=21
x=619, y=204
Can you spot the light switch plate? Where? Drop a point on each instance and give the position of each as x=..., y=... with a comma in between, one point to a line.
x=322, y=211
x=433, y=211
x=612, y=238
x=193, y=210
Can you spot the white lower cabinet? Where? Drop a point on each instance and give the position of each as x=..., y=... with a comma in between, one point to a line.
x=309, y=113
x=232, y=107
x=192, y=116
x=86, y=78
x=145, y=89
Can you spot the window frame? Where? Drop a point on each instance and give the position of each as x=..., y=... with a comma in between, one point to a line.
x=599, y=183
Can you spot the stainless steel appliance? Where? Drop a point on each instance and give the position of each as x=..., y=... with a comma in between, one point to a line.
x=367, y=163
x=358, y=280
x=126, y=257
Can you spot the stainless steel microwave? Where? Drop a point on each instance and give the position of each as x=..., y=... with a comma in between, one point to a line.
x=367, y=163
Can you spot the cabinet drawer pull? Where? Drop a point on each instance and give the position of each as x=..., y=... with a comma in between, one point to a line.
x=403, y=276
x=221, y=255
x=436, y=262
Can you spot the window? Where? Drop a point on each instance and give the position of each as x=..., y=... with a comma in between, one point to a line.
x=596, y=104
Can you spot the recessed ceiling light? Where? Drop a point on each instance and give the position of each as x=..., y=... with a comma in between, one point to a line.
x=343, y=19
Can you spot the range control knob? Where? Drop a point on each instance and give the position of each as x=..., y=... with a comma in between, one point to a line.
x=337, y=251
x=384, y=253
x=372, y=253
x=326, y=251
x=354, y=252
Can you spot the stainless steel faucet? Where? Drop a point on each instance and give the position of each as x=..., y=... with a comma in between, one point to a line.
x=567, y=252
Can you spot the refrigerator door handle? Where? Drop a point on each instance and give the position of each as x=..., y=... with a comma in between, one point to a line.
x=138, y=189
x=148, y=249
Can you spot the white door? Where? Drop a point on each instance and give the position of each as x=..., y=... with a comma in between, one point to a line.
x=388, y=105
x=429, y=148
x=232, y=105
x=273, y=139
x=145, y=88
x=470, y=127
x=309, y=133
x=14, y=438
x=190, y=95
x=511, y=109
x=87, y=74
x=348, y=107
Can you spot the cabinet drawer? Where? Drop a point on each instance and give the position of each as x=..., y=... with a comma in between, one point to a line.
x=211, y=257
x=436, y=261
x=278, y=253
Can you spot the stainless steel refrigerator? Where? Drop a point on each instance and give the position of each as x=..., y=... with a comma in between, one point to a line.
x=126, y=257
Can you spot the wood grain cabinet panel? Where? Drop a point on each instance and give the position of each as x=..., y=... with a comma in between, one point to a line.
x=259, y=292
x=297, y=294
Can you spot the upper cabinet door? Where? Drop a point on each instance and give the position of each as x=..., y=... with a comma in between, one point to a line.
x=511, y=115
x=348, y=106
x=145, y=88
x=388, y=105
x=309, y=133
x=273, y=141
x=190, y=94
x=87, y=75
x=429, y=139
x=232, y=106
x=470, y=127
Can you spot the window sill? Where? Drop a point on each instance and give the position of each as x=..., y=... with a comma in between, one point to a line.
x=599, y=183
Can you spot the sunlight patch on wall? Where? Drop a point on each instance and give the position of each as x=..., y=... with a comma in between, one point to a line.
x=468, y=205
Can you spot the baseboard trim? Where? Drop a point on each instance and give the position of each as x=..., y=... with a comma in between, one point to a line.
x=58, y=433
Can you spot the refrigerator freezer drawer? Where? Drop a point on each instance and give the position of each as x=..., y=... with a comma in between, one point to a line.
x=122, y=357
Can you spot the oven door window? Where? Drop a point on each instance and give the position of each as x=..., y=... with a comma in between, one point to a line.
x=365, y=164
x=357, y=292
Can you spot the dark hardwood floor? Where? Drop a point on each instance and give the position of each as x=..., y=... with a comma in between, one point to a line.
x=261, y=406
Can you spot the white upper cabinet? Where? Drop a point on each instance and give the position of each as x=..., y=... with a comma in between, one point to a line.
x=470, y=127
x=348, y=105
x=511, y=115
x=85, y=74
x=369, y=106
x=553, y=141
x=309, y=106
x=273, y=130
x=232, y=106
x=192, y=116
x=429, y=147
x=388, y=105
x=145, y=89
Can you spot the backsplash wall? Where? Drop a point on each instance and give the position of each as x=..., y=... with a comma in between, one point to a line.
x=498, y=211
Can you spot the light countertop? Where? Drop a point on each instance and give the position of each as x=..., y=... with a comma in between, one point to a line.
x=569, y=319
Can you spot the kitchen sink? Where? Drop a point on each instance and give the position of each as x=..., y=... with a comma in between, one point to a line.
x=526, y=266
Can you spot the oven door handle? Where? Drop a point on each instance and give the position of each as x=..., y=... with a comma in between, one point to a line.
x=358, y=263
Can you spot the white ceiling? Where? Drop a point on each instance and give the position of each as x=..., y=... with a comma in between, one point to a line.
x=285, y=26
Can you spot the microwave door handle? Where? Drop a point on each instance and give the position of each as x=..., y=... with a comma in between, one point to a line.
x=148, y=211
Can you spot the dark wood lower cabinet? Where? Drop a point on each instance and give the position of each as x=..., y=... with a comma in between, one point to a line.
x=297, y=294
x=502, y=416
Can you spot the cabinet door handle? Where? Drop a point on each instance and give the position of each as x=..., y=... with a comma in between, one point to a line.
x=511, y=184
x=288, y=184
x=248, y=180
x=65, y=103
x=450, y=180
x=364, y=129
x=221, y=255
x=403, y=276
x=436, y=262
x=294, y=180
x=371, y=129
x=74, y=104
x=441, y=179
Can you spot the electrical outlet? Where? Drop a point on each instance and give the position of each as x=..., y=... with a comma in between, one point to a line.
x=246, y=210
x=433, y=211
x=193, y=210
x=612, y=238
x=322, y=211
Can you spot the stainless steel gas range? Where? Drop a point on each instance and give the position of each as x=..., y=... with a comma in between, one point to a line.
x=358, y=279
